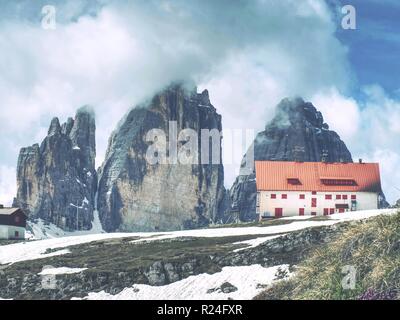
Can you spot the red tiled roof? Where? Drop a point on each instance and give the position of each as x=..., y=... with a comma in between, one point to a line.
x=274, y=175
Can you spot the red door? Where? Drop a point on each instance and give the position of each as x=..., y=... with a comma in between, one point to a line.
x=326, y=211
x=341, y=210
x=301, y=211
x=313, y=202
x=278, y=212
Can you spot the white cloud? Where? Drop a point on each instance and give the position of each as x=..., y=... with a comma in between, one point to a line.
x=248, y=54
x=340, y=112
x=389, y=167
x=379, y=136
x=8, y=189
x=370, y=129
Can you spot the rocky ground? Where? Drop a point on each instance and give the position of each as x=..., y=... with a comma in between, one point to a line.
x=107, y=265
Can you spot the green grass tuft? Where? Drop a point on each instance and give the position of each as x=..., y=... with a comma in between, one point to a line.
x=371, y=246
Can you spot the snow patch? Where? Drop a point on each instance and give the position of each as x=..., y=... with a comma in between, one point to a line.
x=40, y=230
x=62, y=270
x=24, y=253
x=32, y=250
x=80, y=182
x=96, y=224
x=359, y=215
x=297, y=218
x=249, y=281
x=240, y=231
x=252, y=243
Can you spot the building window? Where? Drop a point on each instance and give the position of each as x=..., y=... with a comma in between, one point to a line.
x=314, y=192
x=353, y=197
x=301, y=211
x=313, y=213
x=273, y=196
x=284, y=196
x=293, y=181
x=331, y=210
x=16, y=234
x=344, y=197
x=338, y=197
x=258, y=199
x=314, y=202
x=338, y=182
x=302, y=196
x=328, y=197
x=326, y=211
x=17, y=220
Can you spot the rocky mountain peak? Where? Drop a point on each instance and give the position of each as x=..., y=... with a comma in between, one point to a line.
x=135, y=195
x=82, y=134
x=205, y=98
x=296, y=133
x=292, y=110
x=57, y=181
x=55, y=127
x=67, y=126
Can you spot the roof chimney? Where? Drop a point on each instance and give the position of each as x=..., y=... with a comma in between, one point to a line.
x=360, y=160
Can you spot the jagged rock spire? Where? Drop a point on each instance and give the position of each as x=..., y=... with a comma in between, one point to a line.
x=57, y=181
x=296, y=133
x=137, y=196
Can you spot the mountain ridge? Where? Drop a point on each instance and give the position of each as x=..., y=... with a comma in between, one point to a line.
x=129, y=193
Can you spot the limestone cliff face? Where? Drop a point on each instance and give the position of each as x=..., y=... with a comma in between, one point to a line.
x=57, y=180
x=296, y=133
x=135, y=195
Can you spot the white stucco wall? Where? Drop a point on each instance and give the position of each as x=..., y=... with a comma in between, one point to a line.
x=291, y=205
x=8, y=232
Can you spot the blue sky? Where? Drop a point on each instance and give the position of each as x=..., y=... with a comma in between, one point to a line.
x=374, y=46
x=248, y=54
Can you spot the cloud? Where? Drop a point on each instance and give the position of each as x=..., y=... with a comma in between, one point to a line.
x=114, y=54
x=379, y=136
x=370, y=128
x=340, y=112
x=8, y=189
x=389, y=166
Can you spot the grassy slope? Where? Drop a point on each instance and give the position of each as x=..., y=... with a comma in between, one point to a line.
x=371, y=246
x=115, y=263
